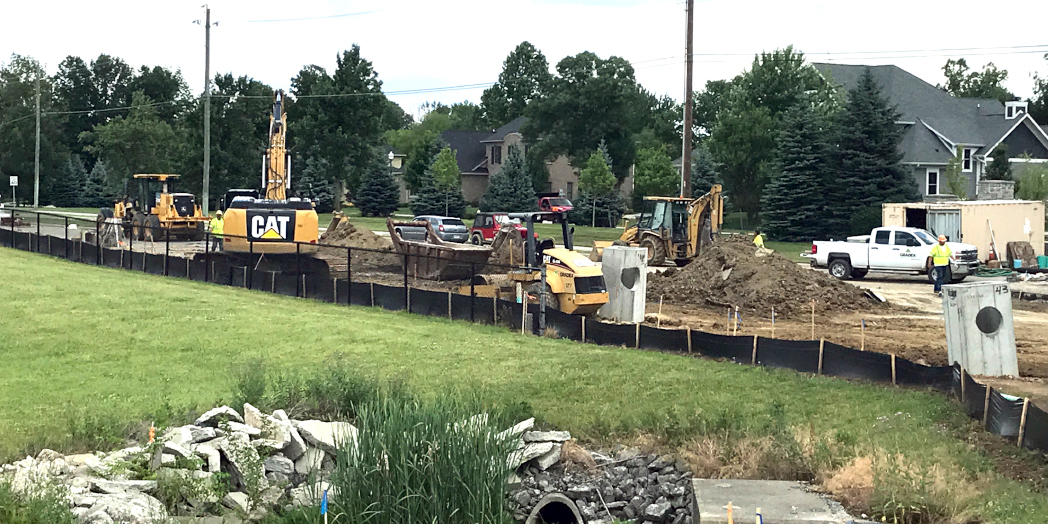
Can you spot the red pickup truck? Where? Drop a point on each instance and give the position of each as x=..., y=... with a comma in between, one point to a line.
x=554, y=202
x=487, y=225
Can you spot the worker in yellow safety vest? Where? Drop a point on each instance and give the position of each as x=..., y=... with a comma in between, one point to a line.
x=216, y=227
x=758, y=239
x=940, y=259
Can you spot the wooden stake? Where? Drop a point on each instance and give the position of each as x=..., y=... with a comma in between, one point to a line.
x=772, y=322
x=986, y=406
x=372, y=294
x=689, y=339
x=334, y=289
x=495, y=309
x=523, y=311
x=822, y=344
x=636, y=342
x=449, y=304
x=893, y=369
x=1022, y=421
x=962, y=385
x=736, y=331
x=753, y=357
x=813, y=319
x=727, y=326
x=862, y=342
x=658, y=319
x=583, y=329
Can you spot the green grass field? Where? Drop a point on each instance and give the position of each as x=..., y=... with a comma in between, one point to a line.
x=86, y=347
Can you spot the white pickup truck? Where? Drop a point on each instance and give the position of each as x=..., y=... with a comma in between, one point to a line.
x=891, y=249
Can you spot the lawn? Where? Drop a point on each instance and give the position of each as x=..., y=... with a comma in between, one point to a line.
x=85, y=345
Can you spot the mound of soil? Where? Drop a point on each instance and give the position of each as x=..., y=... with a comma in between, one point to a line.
x=730, y=273
x=347, y=235
x=507, y=248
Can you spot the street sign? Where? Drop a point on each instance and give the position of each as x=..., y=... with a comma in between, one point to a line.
x=14, y=181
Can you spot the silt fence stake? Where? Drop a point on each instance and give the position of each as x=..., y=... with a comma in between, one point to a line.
x=1022, y=421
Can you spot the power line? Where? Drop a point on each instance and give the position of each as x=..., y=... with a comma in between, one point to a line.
x=109, y=109
x=326, y=17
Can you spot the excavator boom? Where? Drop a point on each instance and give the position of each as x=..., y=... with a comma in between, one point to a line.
x=276, y=164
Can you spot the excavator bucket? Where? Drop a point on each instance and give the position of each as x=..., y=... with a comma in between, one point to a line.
x=597, y=254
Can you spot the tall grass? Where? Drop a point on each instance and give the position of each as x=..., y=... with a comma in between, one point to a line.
x=40, y=506
x=440, y=460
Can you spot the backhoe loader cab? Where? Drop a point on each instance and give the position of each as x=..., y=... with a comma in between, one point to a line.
x=574, y=284
x=674, y=228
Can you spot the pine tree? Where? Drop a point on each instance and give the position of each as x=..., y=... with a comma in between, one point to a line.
x=1000, y=168
x=703, y=171
x=792, y=208
x=68, y=188
x=379, y=194
x=510, y=189
x=311, y=184
x=607, y=212
x=430, y=200
x=97, y=190
x=869, y=172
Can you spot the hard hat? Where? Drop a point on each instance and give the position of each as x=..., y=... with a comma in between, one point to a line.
x=219, y=212
x=942, y=238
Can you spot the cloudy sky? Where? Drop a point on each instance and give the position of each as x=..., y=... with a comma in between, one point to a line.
x=442, y=46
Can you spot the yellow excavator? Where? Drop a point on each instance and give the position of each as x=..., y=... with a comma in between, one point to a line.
x=271, y=225
x=672, y=228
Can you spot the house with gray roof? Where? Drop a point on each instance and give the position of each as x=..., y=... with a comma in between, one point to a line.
x=937, y=126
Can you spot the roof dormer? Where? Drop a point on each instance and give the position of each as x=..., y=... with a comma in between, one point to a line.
x=1014, y=109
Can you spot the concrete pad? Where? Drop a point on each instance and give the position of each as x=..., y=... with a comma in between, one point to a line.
x=781, y=502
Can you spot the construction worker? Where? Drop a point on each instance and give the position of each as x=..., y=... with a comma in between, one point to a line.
x=216, y=227
x=940, y=259
x=758, y=239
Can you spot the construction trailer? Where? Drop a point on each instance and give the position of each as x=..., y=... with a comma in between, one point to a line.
x=980, y=222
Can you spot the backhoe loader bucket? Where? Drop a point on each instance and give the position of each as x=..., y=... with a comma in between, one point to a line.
x=597, y=254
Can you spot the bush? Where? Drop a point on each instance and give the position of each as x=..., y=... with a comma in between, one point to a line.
x=43, y=506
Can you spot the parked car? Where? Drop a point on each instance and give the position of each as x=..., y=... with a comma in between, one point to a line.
x=487, y=225
x=448, y=229
x=894, y=249
x=554, y=202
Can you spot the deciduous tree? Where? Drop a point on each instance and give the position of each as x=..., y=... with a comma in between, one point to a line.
x=961, y=81
x=654, y=175
x=596, y=182
x=525, y=77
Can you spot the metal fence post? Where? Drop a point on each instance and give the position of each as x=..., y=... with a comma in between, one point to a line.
x=349, y=275
x=167, y=250
x=207, y=256
x=131, y=248
x=472, y=291
x=407, y=304
x=98, y=243
x=37, y=234
x=298, y=268
x=12, y=228
x=251, y=260
x=542, y=302
x=65, y=235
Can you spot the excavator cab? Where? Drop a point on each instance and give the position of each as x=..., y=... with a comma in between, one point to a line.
x=676, y=228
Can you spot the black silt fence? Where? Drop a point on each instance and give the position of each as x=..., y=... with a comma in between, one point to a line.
x=799, y=355
x=1035, y=434
x=430, y=303
x=155, y=264
x=286, y=285
x=611, y=334
x=912, y=374
x=736, y=349
x=199, y=270
x=484, y=310
x=567, y=326
x=1004, y=415
x=22, y=241
x=177, y=267
x=840, y=361
x=675, y=340
x=974, y=398
x=322, y=289
x=113, y=258
x=460, y=306
x=360, y=294
x=509, y=314
x=389, y=297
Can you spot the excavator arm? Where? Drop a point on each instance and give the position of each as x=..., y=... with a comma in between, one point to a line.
x=276, y=164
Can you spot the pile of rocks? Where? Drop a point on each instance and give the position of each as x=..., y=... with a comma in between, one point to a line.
x=625, y=486
x=270, y=460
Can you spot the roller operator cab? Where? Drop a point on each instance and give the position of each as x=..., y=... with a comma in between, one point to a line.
x=574, y=283
x=151, y=211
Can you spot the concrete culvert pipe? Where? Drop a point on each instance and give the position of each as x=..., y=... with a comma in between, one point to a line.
x=555, y=508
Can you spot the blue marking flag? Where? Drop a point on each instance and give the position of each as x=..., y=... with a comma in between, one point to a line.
x=323, y=504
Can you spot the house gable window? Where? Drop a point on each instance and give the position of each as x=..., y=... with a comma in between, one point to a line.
x=496, y=154
x=933, y=182
x=1015, y=109
x=966, y=160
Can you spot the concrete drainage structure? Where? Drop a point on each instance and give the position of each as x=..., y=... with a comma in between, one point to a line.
x=555, y=508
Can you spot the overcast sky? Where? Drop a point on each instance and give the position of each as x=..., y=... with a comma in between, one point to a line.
x=425, y=44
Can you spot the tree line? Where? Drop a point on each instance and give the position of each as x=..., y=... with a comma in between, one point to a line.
x=103, y=121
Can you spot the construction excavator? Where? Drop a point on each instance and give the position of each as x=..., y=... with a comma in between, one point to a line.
x=274, y=225
x=672, y=228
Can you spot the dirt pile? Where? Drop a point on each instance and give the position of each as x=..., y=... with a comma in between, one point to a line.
x=347, y=235
x=731, y=274
x=507, y=248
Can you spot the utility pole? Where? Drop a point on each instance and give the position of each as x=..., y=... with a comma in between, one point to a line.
x=207, y=108
x=36, y=169
x=685, y=171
